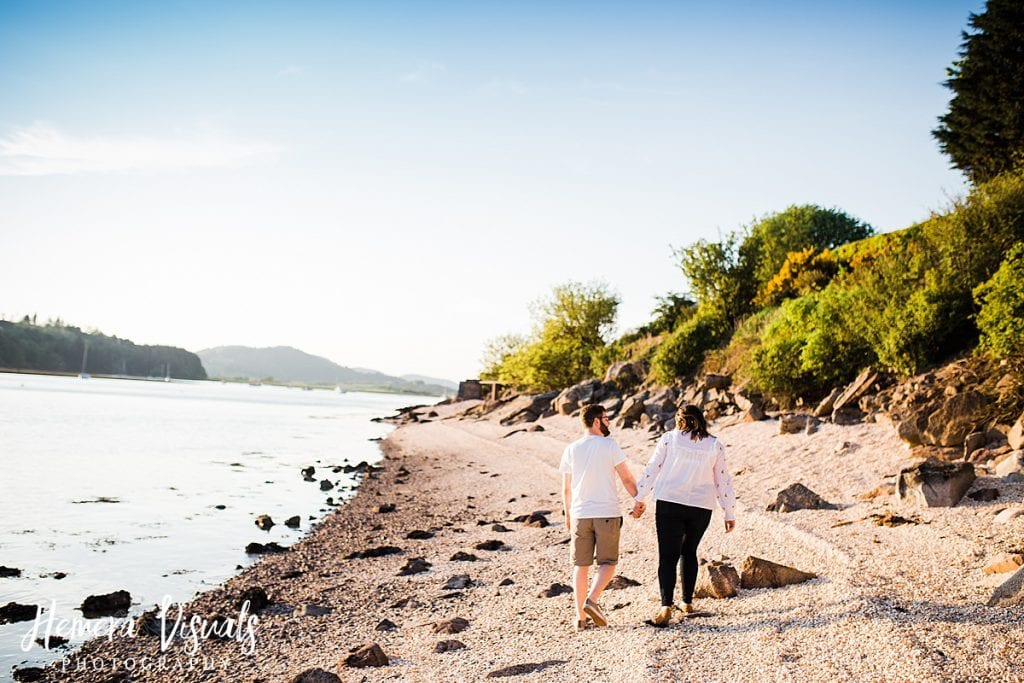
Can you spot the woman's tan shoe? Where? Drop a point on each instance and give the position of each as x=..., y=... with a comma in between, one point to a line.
x=686, y=608
x=663, y=616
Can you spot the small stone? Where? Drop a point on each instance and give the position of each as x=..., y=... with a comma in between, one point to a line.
x=620, y=582
x=316, y=676
x=370, y=654
x=419, y=535
x=264, y=522
x=449, y=645
x=537, y=520
x=29, y=673
x=500, y=528
x=385, y=625
x=255, y=596
x=461, y=556
x=458, y=582
x=799, y=497
x=506, y=582
x=311, y=610
x=385, y=508
x=986, y=495
x=54, y=641
x=554, y=590
x=293, y=522
x=450, y=626
x=326, y=485
x=415, y=565
x=380, y=551
x=1010, y=593
x=264, y=548
x=492, y=544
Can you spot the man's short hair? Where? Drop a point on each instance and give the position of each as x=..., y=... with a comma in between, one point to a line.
x=591, y=413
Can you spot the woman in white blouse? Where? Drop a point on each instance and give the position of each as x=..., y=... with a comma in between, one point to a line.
x=688, y=474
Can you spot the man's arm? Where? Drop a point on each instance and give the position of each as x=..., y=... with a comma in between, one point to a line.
x=627, y=478
x=567, y=498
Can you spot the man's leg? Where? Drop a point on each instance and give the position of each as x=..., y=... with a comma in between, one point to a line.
x=579, y=589
x=604, y=575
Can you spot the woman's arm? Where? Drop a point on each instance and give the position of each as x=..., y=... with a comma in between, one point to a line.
x=723, y=487
x=653, y=469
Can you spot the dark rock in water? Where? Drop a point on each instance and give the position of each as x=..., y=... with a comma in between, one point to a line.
x=385, y=625
x=758, y=573
x=293, y=522
x=537, y=520
x=450, y=626
x=385, y=508
x=12, y=612
x=523, y=669
x=984, y=495
x=108, y=604
x=379, y=551
x=264, y=548
x=326, y=485
x=368, y=655
x=934, y=483
x=799, y=497
x=57, y=575
x=554, y=590
x=415, y=565
x=316, y=675
x=458, y=582
x=500, y=528
x=419, y=535
x=492, y=544
x=461, y=556
x=310, y=610
x=619, y=582
x=29, y=673
x=220, y=507
x=52, y=642
x=9, y=572
x=264, y=522
x=506, y=582
x=449, y=645
x=308, y=472
x=256, y=596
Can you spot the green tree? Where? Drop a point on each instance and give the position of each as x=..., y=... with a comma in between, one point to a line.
x=1001, y=301
x=983, y=131
x=720, y=277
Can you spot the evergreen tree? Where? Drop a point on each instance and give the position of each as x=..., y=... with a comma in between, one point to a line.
x=983, y=131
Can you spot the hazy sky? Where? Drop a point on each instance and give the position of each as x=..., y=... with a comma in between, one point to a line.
x=390, y=184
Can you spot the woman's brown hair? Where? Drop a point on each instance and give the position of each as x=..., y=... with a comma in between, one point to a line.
x=690, y=419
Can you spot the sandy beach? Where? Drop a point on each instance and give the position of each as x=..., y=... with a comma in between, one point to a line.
x=898, y=603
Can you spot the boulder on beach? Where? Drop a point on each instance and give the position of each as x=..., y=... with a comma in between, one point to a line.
x=108, y=604
x=449, y=646
x=419, y=535
x=13, y=611
x=554, y=590
x=264, y=522
x=934, y=483
x=760, y=573
x=264, y=548
x=415, y=565
x=316, y=676
x=1015, y=436
x=959, y=415
x=450, y=626
x=255, y=596
x=620, y=582
x=537, y=520
x=492, y=544
x=462, y=556
x=370, y=654
x=385, y=625
x=384, y=508
x=458, y=582
x=795, y=423
x=717, y=580
x=1010, y=593
x=379, y=551
x=1010, y=464
x=799, y=497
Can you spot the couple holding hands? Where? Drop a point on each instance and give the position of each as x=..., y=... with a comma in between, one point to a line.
x=687, y=474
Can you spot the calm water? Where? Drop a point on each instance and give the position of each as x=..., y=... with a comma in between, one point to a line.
x=116, y=483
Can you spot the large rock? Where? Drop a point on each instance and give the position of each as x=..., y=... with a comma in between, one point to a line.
x=799, y=497
x=625, y=375
x=572, y=398
x=370, y=654
x=712, y=381
x=934, y=483
x=911, y=428
x=1010, y=593
x=526, y=408
x=1011, y=463
x=798, y=422
x=760, y=573
x=717, y=580
x=632, y=409
x=958, y=417
x=826, y=405
x=1008, y=515
x=1016, y=434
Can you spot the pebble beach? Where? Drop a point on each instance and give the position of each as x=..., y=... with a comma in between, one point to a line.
x=441, y=561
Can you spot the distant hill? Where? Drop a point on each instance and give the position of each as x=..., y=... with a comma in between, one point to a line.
x=287, y=364
x=447, y=383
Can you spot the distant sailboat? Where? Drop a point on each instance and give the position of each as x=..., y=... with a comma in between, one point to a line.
x=85, y=355
x=167, y=372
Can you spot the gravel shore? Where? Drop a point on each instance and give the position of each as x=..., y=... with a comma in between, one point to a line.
x=891, y=603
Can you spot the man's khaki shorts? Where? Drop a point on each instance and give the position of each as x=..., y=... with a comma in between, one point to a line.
x=595, y=537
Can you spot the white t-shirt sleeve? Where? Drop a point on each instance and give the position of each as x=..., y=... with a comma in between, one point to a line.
x=564, y=467
x=618, y=457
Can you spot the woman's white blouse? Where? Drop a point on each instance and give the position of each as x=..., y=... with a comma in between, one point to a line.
x=689, y=472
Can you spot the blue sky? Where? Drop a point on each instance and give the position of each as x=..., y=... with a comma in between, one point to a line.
x=391, y=184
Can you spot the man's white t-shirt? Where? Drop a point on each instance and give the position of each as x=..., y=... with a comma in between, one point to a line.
x=591, y=461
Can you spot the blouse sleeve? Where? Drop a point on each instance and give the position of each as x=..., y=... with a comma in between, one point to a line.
x=653, y=469
x=723, y=483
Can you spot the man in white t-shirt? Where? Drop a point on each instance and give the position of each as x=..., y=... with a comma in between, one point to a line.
x=591, y=505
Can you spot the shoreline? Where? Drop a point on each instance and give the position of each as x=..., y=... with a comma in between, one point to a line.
x=886, y=600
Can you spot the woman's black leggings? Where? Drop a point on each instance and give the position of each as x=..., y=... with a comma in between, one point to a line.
x=680, y=528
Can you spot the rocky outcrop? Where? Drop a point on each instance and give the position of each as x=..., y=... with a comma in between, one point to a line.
x=760, y=573
x=717, y=580
x=625, y=375
x=934, y=483
x=799, y=497
x=959, y=416
x=573, y=398
x=525, y=408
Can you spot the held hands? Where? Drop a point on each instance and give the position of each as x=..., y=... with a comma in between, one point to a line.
x=730, y=524
x=638, y=510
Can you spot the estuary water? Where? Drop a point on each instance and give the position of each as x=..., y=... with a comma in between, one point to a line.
x=154, y=487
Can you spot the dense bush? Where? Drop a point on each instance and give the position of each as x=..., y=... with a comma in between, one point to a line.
x=683, y=351
x=1001, y=303
x=802, y=272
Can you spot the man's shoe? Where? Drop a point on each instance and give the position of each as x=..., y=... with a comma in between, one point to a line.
x=663, y=616
x=582, y=625
x=594, y=611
